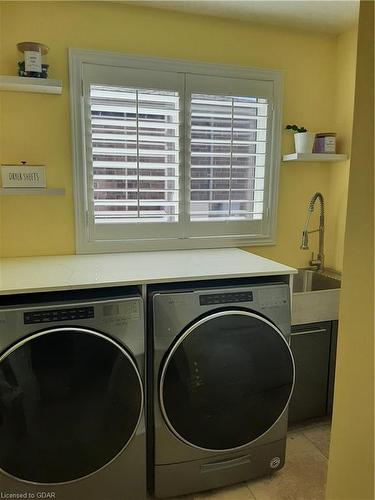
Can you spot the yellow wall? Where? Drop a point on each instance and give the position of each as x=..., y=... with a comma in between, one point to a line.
x=37, y=128
x=339, y=172
x=1, y=58
x=1, y=123
x=351, y=464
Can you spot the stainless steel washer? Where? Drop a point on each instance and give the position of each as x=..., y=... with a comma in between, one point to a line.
x=223, y=377
x=72, y=395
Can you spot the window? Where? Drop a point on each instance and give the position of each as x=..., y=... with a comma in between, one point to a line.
x=171, y=154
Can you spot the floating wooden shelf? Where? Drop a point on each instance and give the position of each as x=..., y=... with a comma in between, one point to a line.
x=318, y=157
x=26, y=84
x=32, y=191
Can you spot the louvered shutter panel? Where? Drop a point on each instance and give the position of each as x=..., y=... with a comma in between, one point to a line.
x=228, y=137
x=135, y=154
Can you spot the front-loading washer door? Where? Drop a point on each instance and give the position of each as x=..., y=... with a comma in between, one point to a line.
x=70, y=402
x=226, y=380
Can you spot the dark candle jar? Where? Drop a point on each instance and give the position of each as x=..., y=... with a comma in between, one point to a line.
x=33, y=74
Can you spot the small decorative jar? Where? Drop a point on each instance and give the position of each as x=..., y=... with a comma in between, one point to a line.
x=32, y=65
x=325, y=142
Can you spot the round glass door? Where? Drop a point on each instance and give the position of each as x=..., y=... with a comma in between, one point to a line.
x=70, y=401
x=226, y=380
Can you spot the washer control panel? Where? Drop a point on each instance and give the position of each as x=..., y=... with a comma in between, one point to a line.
x=225, y=298
x=58, y=315
x=276, y=297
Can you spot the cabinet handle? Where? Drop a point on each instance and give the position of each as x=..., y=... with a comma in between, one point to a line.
x=304, y=332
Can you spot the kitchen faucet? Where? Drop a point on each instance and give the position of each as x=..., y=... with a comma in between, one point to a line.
x=318, y=263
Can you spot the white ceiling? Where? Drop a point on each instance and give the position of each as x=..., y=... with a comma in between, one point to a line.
x=323, y=16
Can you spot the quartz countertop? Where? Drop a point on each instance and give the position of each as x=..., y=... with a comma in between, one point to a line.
x=66, y=272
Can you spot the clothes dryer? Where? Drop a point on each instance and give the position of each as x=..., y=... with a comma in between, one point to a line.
x=72, y=396
x=223, y=375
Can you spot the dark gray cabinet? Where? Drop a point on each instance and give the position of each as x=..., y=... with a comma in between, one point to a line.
x=332, y=366
x=314, y=350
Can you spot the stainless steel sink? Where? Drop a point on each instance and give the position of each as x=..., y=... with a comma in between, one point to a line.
x=316, y=297
x=311, y=281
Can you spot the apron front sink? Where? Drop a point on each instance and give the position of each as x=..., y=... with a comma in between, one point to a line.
x=316, y=297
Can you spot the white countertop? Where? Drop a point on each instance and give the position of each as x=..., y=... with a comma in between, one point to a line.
x=37, y=274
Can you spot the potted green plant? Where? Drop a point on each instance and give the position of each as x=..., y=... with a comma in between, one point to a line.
x=303, y=140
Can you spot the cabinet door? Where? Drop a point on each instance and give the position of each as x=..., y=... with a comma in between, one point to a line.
x=310, y=345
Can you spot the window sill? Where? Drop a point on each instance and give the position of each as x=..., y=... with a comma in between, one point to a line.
x=98, y=246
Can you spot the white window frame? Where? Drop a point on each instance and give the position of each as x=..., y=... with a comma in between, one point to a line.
x=83, y=61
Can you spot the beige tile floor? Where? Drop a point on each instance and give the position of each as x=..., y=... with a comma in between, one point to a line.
x=302, y=478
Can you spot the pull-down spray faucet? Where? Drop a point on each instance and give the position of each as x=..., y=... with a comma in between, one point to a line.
x=318, y=263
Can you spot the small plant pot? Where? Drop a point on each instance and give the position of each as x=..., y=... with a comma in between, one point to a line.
x=304, y=142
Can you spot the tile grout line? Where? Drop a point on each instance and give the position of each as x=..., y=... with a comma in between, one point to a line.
x=251, y=492
x=320, y=451
x=257, y=479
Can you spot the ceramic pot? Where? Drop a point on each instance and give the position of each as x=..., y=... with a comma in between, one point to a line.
x=304, y=142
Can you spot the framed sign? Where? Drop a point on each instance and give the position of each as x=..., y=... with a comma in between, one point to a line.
x=24, y=176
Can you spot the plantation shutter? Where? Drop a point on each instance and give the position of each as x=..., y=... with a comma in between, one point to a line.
x=228, y=147
x=230, y=132
x=133, y=158
x=135, y=154
x=171, y=154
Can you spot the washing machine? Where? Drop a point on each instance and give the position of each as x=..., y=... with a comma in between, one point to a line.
x=222, y=377
x=72, y=421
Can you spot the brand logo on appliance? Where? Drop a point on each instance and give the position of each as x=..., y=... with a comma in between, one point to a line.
x=275, y=462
